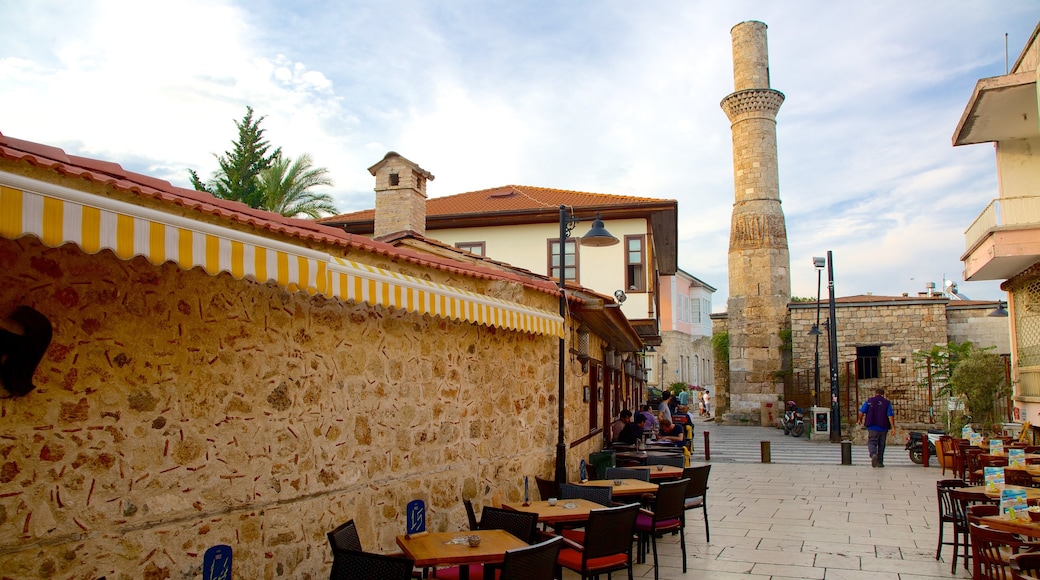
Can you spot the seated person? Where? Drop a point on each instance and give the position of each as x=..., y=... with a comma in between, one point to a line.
x=671, y=432
x=651, y=421
x=683, y=416
x=624, y=418
x=633, y=431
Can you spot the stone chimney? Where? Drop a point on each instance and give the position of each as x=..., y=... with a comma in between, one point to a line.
x=400, y=196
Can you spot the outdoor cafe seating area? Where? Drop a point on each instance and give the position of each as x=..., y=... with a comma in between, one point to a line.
x=986, y=534
x=599, y=525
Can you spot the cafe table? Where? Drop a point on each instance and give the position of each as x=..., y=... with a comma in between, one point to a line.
x=1032, y=493
x=661, y=471
x=642, y=456
x=622, y=487
x=565, y=510
x=452, y=548
x=1025, y=527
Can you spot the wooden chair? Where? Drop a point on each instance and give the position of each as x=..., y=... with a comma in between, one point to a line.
x=1025, y=566
x=1018, y=477
x=666, y=516
x=942, y=488
x=607, y=543
x=537, y=562
x=973, y=466
x=991, y=551
x=697, y=493
x=354, y=565
x=978, y=511
x=961, y=501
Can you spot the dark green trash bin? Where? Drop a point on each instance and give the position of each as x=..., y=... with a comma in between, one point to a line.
x=599, y=461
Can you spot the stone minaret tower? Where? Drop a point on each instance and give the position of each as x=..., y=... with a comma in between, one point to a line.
x=759, y=262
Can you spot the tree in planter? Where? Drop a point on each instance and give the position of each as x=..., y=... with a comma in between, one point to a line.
x=979, y=377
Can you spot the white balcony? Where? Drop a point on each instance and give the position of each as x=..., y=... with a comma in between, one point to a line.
x=1004, y=240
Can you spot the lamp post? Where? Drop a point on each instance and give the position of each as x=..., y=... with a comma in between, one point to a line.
x=598, y=236
x=832, y=352
x=818, y=263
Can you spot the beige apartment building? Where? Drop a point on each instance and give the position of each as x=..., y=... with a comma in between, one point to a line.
x=1003, y=243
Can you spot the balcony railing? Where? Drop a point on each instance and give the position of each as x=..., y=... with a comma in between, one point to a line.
x=1003, y=212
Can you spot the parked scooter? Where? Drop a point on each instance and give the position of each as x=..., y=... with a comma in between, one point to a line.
x=915, y=446
x=794, y=420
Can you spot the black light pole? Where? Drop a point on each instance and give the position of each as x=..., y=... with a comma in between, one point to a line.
x=598, y=236
x=818, y=263
x=832, y=344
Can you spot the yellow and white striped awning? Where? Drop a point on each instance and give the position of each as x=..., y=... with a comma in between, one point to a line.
x=58, y=215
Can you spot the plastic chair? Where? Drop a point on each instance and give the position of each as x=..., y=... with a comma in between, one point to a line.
x=537, y=562
x=354, y=565
x=607, y=543
x=1025, y=566
x=991, y=550
x=546, y=488
x=601, y=495
x=345, y=537
x=627, y=473
x=599, y=461
x=697, y=493
x=667, y=516
x=942, y=488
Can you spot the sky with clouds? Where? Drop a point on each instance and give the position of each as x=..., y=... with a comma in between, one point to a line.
x=603, y=96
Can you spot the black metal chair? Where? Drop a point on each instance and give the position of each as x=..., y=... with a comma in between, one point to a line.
x=697, y=493
x=345, y=537
x=607, y=545
x=471, y=515
x=601, y=495
x=673, y=459
x=942, y=488
x=627, y=473
x=354, y=565
x=546, y=488
x=537, y=562
x=523, y=525
x=667, y=516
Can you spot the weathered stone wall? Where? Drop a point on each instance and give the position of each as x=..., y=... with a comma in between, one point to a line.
x=176, y=411
x=977, y=326
x=898, y=328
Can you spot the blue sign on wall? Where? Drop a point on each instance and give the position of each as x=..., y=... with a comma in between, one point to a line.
x=416, y=516
x=216, y=563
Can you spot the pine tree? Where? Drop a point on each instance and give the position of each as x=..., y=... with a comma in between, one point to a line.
x=238, y=178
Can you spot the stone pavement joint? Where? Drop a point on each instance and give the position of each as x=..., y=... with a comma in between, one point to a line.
x=808, y=516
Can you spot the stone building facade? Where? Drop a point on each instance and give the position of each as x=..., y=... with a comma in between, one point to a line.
x=177, y=409
x=759, y=261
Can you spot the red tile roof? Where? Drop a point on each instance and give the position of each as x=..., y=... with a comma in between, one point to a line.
x=513, y=198
x=113, y=175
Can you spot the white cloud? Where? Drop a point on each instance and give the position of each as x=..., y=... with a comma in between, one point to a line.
x=612, y=97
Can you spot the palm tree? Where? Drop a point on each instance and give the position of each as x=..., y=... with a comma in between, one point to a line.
x=285, y=188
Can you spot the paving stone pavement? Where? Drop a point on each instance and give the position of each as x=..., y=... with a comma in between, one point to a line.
x=807, y=516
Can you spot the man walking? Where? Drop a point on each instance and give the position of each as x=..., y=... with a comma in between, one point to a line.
x=879, y=417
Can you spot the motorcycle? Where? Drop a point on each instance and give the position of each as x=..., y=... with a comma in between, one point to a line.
x=915, y=445
x=794, y=420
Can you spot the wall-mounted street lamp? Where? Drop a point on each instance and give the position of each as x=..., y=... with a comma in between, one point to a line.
x=999, y=311
x=598, y=236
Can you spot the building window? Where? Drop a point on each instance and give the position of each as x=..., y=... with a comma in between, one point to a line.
x=635, y=264
x=695, y=310
x=570, y=263
x=867, y=361
x=471, y=247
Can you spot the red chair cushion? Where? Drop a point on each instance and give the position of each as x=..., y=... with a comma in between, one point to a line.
x=571, y=558
x=576, y=536
x=645, y=523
